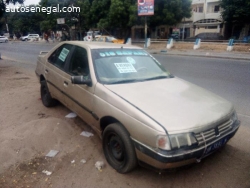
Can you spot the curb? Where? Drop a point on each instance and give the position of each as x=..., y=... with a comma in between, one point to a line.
x=165, y=52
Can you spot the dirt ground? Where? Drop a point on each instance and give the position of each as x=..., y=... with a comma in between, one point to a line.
x=29, y=131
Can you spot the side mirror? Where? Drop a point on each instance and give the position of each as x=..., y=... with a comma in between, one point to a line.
x=171, y=76
x=82, y=80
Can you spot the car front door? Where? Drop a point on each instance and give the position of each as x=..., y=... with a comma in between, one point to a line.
x=79, y=98
x=55, y=71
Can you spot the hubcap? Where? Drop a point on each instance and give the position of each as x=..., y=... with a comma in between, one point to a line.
x=116, y=148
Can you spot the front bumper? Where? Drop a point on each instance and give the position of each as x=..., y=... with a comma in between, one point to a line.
x=160, y=159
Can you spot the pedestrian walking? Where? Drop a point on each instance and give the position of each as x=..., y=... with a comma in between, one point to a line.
x=46, y=37
x=52, y=36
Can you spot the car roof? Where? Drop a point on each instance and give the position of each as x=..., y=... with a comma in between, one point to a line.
x=97, y=45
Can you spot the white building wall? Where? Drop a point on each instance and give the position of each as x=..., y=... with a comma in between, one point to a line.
x=204, y=14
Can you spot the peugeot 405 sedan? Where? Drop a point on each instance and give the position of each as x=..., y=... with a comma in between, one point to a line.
x=143, y=114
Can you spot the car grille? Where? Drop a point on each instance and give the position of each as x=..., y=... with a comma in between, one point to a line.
x=211, y=134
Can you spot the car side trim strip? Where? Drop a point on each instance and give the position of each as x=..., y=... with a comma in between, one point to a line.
x=79, y=104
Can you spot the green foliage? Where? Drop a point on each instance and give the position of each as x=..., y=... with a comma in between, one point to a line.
x=236, y=11
x=170, y=12
x=3, y=4
x=121, y=13
x=23, y=22
x=103, y=14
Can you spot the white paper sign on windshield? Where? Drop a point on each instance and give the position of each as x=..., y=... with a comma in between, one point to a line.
x=125, y=67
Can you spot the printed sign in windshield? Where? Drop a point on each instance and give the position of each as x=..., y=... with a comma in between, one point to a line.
x=125, y=67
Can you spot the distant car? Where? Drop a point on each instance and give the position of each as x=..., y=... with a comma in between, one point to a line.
x=107, y=38
x=207, y=36
x=143, y=114
x=29, y=37
x=89, y=36
x=3, y=39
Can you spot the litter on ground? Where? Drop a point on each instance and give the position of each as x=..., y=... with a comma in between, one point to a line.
x=47, y=172
x=86, y=134
x=52, y=153
x=71, y=115
x=83, y=161
x=99, y=165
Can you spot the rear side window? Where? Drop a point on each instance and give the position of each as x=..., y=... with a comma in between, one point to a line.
x=60, y=55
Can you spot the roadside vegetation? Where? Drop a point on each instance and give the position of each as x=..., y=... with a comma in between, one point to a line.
x=107, y=14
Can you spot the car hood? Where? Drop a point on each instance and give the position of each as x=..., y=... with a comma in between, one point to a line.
x=174, y=103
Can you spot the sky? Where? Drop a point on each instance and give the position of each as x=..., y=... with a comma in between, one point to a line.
x=26, y=3
x=29, y=2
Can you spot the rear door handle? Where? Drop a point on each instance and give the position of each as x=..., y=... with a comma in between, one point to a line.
x=46, y=71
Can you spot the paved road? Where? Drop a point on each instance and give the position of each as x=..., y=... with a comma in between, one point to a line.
x=227, y=78
x=24, y=52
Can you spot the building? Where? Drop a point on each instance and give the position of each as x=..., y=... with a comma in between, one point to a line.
x=206, y=17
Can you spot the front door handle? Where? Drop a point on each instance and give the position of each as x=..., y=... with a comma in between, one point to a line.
x=65, y=83
x=46, y=71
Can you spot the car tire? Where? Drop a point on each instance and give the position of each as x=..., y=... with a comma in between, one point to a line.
x=6, y=41
x=118, y=148
x=26, y=39
x=47, y=100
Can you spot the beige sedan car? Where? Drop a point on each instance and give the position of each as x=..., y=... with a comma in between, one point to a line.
x=143, y=114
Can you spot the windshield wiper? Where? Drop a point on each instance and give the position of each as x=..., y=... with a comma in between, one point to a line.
x=155, y=78
x=124, y=81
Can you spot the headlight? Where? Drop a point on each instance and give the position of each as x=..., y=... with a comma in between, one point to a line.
x=182, y=140
x=162, y=142
x=234, y=117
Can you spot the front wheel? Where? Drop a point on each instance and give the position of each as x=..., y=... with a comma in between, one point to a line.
x=118, y=148
x=47, y=100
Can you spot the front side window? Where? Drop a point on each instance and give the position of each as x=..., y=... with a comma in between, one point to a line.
x=79, y=65
x=59, y=56
x=126, y=65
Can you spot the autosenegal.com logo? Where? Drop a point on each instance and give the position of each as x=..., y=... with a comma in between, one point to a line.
x=47, y=10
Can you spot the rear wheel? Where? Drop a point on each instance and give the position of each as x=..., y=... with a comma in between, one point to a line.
x=118, y=148
x=47, y=100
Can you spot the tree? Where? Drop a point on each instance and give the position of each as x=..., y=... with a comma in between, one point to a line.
x=3, y=4
x=236, y=11
x=170, y=12
x=121, y=15
x=236, y=15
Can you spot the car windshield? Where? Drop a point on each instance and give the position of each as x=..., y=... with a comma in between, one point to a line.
x=113, y=66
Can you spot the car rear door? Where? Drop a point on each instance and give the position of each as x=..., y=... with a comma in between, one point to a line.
x=55, y=71
x=79, y=98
